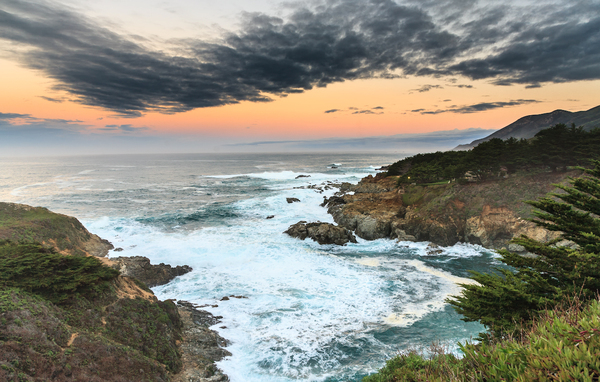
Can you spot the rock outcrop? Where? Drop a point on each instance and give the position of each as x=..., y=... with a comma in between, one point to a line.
x=322, y=233
x=488, y=214
x=200, y=347
x=150, y=274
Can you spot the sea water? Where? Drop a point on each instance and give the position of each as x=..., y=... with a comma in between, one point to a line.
x=310, y=312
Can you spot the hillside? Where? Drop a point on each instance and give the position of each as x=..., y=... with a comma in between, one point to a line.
x=528, y=126
x=67, y=316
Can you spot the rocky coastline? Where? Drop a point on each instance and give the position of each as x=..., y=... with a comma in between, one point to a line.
x=120, y=333
x=487, y=214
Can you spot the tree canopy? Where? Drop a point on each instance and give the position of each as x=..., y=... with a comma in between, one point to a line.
x=554, y=148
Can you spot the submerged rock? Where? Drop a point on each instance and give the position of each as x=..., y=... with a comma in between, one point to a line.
x=322, y=233
x=151, y=275
x=292, y=200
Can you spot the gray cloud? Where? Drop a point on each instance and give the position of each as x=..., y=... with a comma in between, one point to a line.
x=313, y=46
x=378, y=108
x=426, y=88
x=6, y=116
x=366, y=112
x=55, y=100
x=331, y=111
x=483, y=106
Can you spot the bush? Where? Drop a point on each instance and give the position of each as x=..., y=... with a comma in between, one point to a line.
x=37, y=269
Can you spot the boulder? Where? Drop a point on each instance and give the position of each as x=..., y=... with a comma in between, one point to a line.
x=151, y=275
x=322, y=233
x=292, y=200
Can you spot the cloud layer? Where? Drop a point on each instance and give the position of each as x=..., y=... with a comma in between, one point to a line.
x=312, y=46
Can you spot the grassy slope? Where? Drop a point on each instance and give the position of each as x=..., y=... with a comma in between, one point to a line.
x=468, y=200
x=62, y=319
x=36, y=224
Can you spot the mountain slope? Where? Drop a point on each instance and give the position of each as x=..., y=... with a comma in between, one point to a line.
x=528, y=126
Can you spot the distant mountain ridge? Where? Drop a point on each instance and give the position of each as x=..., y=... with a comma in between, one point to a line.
x=528, y=126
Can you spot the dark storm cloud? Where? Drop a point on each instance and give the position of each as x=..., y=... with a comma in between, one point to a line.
x=313, y=46
x=483, y=106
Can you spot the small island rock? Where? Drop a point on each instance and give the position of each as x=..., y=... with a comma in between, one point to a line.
x=322, y=233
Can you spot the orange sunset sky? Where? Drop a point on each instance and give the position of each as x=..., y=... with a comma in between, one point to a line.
x=244, y=72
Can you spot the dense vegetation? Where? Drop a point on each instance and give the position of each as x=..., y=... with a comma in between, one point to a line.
x=532, y=335
x=556, y=148
x=35, y=268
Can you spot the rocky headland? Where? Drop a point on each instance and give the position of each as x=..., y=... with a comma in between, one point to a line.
x=487, y=213
x=69, y=313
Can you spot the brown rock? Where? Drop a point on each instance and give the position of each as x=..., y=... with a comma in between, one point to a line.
x=322, y=233
x=151, y=275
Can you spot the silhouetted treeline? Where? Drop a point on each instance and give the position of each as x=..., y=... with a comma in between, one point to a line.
x=554, y=148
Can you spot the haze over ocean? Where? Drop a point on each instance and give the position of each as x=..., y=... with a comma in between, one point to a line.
x=312, y=312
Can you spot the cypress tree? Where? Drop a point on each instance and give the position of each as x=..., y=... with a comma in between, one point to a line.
x=514, y=294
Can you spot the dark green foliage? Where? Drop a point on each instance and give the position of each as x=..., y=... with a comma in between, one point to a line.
x=56, y=277
x=506, y=299
x=554, y=148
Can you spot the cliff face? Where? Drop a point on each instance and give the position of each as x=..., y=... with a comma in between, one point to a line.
x=489, y=214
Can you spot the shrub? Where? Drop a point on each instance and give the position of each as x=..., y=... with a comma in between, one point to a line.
x=37, y=269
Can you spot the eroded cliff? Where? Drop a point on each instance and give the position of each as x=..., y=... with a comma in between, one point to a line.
x=489, y=214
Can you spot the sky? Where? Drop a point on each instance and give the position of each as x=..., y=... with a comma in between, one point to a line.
x=129, y=76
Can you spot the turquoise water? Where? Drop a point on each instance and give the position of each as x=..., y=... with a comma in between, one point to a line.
x=313, y=313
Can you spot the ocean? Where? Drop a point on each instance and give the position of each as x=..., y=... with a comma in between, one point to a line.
x=312, y=312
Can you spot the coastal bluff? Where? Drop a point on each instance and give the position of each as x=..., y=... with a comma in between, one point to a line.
x=68, y=312
x=489, y=214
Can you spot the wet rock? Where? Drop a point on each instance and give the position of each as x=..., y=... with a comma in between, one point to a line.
x=140, y=268
x=292, y=200
x=333, y=201
x=270, y=217
x=322, y=233
x=200, y=347
x=302, y=176
x=433, y=249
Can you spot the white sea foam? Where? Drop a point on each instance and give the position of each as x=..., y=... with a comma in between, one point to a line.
x=307, y=305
